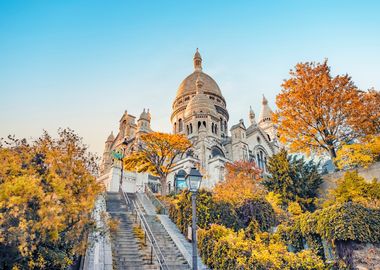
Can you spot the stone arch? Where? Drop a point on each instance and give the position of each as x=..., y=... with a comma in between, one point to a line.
x=216, y=151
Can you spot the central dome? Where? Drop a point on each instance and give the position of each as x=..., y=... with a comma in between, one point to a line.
x=200, y=103
x=188, y=85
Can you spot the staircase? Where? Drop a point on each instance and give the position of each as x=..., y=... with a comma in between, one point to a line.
x=128, y=253
x=173, y=257
x=128, y=250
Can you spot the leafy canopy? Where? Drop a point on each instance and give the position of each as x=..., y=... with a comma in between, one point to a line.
x=241, y=183
x=47, y=194
x=317, y=111
x=156, y=154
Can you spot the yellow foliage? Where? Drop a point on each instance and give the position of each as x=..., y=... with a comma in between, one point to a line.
x=354, y=188
x=275, y=201
x=47, y=194
x=359, y=154
x=241, y=183
x=156, y=154
x=316, y=111
x=294, y=208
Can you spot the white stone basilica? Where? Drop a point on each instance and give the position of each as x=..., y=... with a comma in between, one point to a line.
x=200, y=112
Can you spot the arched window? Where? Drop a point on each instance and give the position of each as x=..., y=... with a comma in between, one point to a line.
x=216, y=129
x=212, y=128
x=216, y=151
x=225, y=126
x=180, y=125
x=175, y=127
x=199, y=125
x=268, y=137
x=191, y=128
x=204, y=124
x=221, y=124
x=187, y=129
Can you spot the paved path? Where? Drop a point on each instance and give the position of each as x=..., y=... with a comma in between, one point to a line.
x=179, y=239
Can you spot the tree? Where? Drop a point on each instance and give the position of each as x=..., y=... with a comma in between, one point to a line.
x=316, y=111
x=360, y=154
x=47, y=195
x=294, y=179
x=241, y=183
x=156, y=154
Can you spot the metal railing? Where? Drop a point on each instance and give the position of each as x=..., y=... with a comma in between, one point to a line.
x=148, y=234
x=156, y=202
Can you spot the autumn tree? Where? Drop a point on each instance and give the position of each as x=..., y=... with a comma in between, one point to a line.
x=316, y=111
x=156, y=154
x=294, y=179
x=47, y=194
x=241, y=183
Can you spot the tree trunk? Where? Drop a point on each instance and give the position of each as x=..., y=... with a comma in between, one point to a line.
x=164, y=188
x=332, y=153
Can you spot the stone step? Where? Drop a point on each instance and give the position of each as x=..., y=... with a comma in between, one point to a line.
x=129, y=252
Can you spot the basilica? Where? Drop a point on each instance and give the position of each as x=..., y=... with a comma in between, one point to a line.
x=200, y=112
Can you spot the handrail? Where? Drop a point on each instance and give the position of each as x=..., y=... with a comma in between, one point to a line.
x=148, y=233
x=125, y=197
x=156, y=202
x=143, y=221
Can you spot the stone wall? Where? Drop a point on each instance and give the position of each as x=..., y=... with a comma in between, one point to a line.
x=369, y=173
x=366, y=256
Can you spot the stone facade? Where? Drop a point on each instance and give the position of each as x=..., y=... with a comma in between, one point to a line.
x=200, y=112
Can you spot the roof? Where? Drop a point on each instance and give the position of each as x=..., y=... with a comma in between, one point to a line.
x=266, y=112
x=188, y=86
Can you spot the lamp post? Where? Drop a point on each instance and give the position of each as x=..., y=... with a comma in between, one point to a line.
x=193, y=180
x=124, y=147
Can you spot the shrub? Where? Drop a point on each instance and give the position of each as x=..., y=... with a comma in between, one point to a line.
x=222, y=248
x=348, y=221
x=257, y=209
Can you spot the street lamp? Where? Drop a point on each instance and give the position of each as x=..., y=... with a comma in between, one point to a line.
x=124, y=145
x=179, y=180
x=194, y=179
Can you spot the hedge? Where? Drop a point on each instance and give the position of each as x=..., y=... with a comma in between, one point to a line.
x=222, y=248
x=210, y=212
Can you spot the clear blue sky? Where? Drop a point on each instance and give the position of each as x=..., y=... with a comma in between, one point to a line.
x=80, y=64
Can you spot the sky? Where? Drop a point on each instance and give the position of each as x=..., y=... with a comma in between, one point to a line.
x=81, y=64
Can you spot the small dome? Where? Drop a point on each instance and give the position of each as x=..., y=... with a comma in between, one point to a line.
x=200, y=103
